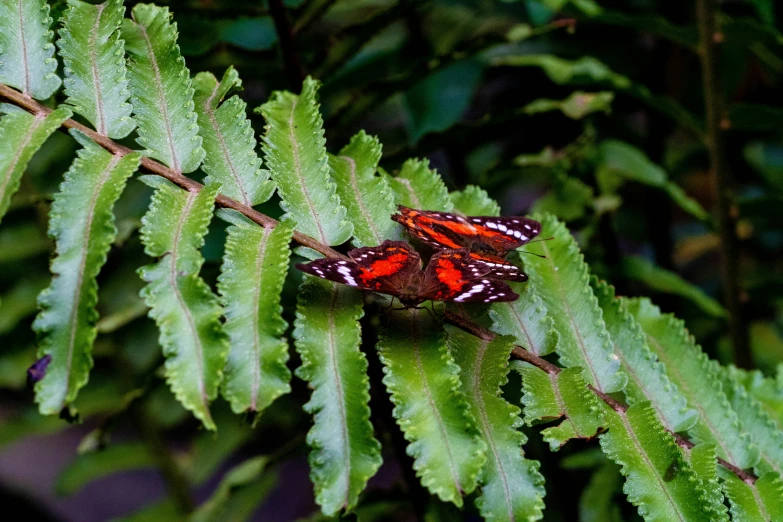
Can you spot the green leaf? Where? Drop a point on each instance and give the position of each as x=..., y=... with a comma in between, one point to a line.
x=620, y=161
x=159, y=511
x=161, y=90
x=20, y=302
x=562, y=281
x=251, y=281
x=181, y=303
x=578, y=104
x=704, y=461
x=416, y=186
x=527, y=320
x=81, y=222
x=690, y=369
x=239, y=494
x=229, y=141
x=565, y=395
x=21, y=135
x=295, y=151
x=431, y=410
x=98, y=464
x=366, y=196
x=764, y=389
x=22, y=241
x=27, y=59
x=759, y=502
x=658, y=479
x=511, y=486
x=591, y=71
x=647, y=379
x=474, y=201
x=344, y=453
x=569, y=199
x=95, y=72
x=662, y=280
x=210, y=451
x=765, y=433
x=596, y=504
x=439, y=100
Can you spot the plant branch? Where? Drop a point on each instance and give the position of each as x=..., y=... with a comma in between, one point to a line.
x=725, y=209
x=265, y=221
x=285, y=35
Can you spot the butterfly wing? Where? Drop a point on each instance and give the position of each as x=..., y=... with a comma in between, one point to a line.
x=385, y=268
x=453, y=275
x=499, y=268
x=493, y=235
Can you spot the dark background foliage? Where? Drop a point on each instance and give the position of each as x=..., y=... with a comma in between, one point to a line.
x=435, y=79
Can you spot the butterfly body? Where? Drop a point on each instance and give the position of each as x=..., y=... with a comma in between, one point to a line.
x=489, y=239
x=394, y=268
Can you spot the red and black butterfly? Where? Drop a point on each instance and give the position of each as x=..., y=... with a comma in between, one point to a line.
x=395, y=268
x=488, y=238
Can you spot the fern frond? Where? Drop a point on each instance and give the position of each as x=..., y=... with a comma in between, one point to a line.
x=295, y=151
x=690, y=369
x=474, y=201
x=658, y=479
x=761, y=501
x=181, y=303
x=562, y=281
x=418, y=186
x=429, y=405
x=511, y=486
x=549, y=397
x=765, y=433
x=704, y=461
x=229, y=141
x=251, y=280
x=766, y=390
x=526, y=320
x=95, y=74
x=366, y=196
x=344, y=453
x=21, y=135
x=27, y=59
x=647, y=379
x=81, y=222
x=161, y=90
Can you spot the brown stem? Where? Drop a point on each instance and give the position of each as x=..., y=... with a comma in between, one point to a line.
x=153, y=166
x=725, y=208
x=285, y=35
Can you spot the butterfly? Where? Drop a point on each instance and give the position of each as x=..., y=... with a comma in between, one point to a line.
x=488, y=238
x=394, y=268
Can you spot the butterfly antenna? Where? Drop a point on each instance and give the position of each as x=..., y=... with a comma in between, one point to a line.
x=527, y=252
x=540, y=239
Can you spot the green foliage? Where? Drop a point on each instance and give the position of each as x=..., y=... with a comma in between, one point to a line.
x=161, y=90
x=550, y=397
x=221, y=294
x=562, y=281
x=81, y=222
x=21, y=134
x=344, y=453
x=689, y=368
x=444, y=441
x=658, y=479
x=511, y=486
x=296, y=156
x=417, y=186
x=27, y=59
x=647, y=379
x=95, y=72
x=181, y=303
x=97, y=464
x=366, y=196
x=251, y=280
x=228, y=140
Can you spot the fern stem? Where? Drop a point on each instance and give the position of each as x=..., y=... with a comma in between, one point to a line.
x=457, y=320
x=725, y=208
x=154, y=167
